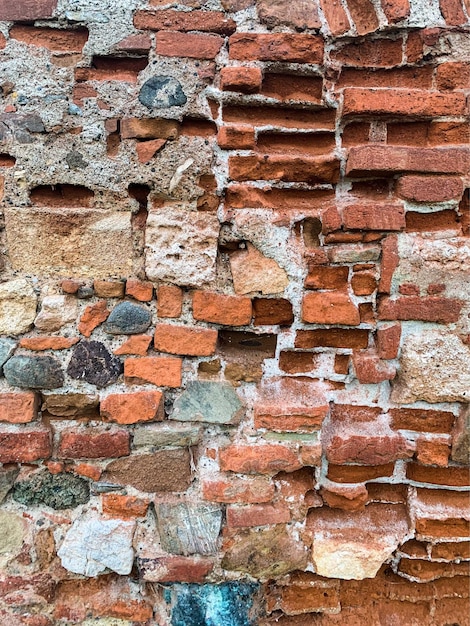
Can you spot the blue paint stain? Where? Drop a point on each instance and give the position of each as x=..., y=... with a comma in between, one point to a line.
x=227, y=604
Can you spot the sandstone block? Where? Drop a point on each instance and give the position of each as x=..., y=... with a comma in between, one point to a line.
x=56, y=311
x=80, y=241
x=12, y=530
x=253, y=272
x=17, y=306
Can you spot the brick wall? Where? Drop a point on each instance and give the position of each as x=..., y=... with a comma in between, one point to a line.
x=235, y=312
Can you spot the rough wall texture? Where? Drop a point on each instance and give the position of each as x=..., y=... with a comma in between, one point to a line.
x=235, y=312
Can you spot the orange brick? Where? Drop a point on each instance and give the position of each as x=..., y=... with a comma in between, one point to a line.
x=161, y=371
x=258, y=459
x=47, y=343
x=55, y=39
x=329, y=308
x=136, y=344
x=185, y=340
x=230, y=490
x=122, y=506
x=177, y=44
x=92, y=317
x=18, y=408
x=433, y=452
x=236, y=137
x=167, y=19
x=374, y=217
x=292, y=48
x=131, y=408
x=388, y=341
x=257, y=515
x=221, y=309
x=139, y=290
x=169, y=301
x=243, y=79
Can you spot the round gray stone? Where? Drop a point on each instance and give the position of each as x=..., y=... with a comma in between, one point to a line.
x=128, y=319
x=34, y=372
x=161, y=92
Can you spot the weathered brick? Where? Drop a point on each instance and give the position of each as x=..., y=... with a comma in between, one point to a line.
x=123, y=506
x=152, y=128
x=402, y=102
x=160, y=371
x=93, y=443
x=243, y=79
x=428, y=309
x=329, y=308
x=374, y=217
x=258, y=459
x=27, y=10
x=430, y=188
x=131, y=408
x=288, y=47
x=388, y=341
x=177, y=44
x=219, y=308
x=54, y=39
x=377, y=53
x=286, y=168
x=26, y=445
x=231, y=490
x=336, y=17
x=363, y=15
x=169, y=301
x=236, y=137
x=185, y=340
x=452, y=11
x=18, y=408
x=206, y=21
x=395, y=10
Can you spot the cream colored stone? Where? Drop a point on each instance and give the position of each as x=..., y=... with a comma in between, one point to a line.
x=253, y=272
x=80, y=242
x=181, y=246
x=56, y=311
x=12, y=529
x=17, y=307
x=435, y=367
x=353, y=545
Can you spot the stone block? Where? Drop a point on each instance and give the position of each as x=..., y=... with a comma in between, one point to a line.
x=212, y=402
x=187, y=528
x=17, y=306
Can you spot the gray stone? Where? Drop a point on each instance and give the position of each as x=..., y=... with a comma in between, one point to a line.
x=75, y=160
x=8, y=474
x=12, y=529
x=189, y=528
x=128, y=319
x=85, y=293
x=208, y=401
x=7, y=347
x=93, y=545
x=161, y=92
x=59, y=491
x=91, y=361
x=34, y=372
x=167, y=434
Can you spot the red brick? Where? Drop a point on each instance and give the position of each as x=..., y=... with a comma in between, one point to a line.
x=286, y=87
x=244, y=196
x=448, y=133
x=432, y=452
x=93, y=443
x=363, y=283
x=139, y=290
x=344, y=498
x=146, y=150
x=370, y=369
x=157, y=370
x=389, y=263
x=55, y=39
x=108, y=68
x=280, y=117
x=206, y=21
x=358, y=473
x=300, y=16
x=123, y=506
x=377, y=53
x=311, y=144
x=152, y=128
x=257, y=515
x=169, y=301
x=452, y=12
x=237, y=137
x=136, y=344
x=428, y=309
x=131, y=408
x=376, y=159
x=218, y=308
x=47, y=343
x=451, y=476
x=27, y=10
x=341, y=365
x=335, y=15
x=402, y=102
x=434, y=221
x=195, y=127
x=185, y=340
x=410, y=77
x=92, y=317
x=329, y=308
x=18, y=408
x=176, y=569
x=288, y=47
x=268, y=311
x=454, y=75
x=318, y=597
x=451, y=610
x=363, y=15
x=388, y=341
x=430, y=188
x=232, y=490
x=374, y=217
x=451, y=551
x=329, y=277
x=294, y=362
x=395, y=10
x=24, y=446
x=422, y=420
x=140, y=43
x=176, y=44
x=332, y=338
x=286, y=168
x=243, y=79
x=258, y=459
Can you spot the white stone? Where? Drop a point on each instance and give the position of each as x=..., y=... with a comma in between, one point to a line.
x=349, y=560
x=56, y=311
x=435, y=367
x=17, y=307
x=92, y=546
x=181, y=246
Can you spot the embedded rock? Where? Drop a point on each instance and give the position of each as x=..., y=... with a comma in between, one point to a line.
x=181, y=246
x=168, y=434
x=12, y=529
x=93, y=546
x=189, y=528
x=92, y=362
x=7, y=348
x=252, y=272
x=161, y=92
x=435, y=367
x=34, y=372
x=70, y=404
x=56, y=311
x=216, y=403
x=128, y=319
x=17, y=307
x=8, y=474
x=59, y=491
x=461, y=438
